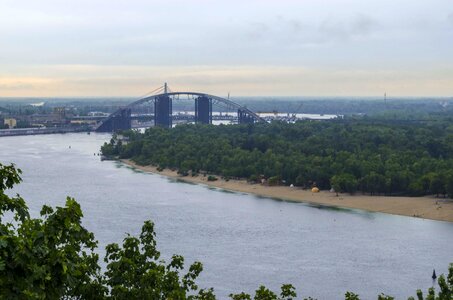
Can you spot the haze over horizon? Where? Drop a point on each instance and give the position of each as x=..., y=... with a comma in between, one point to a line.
x=84, y=48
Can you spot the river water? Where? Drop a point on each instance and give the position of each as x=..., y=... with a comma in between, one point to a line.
x=242, y=240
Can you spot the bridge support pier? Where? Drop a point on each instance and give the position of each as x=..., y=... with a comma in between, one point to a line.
x=245, y=117
x=163, y=111
x=203, y=110
x=120, y=121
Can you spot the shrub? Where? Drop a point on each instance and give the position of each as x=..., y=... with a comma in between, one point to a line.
x=274, y=180
x=212, y=178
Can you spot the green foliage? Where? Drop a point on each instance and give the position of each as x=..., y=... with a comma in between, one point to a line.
x=110, y=149
x=47, y=257
x=385, y=297
x=288, y=292
x=437, y=184
x=351, y=296
x=449, y=185
x=52, y=257
x=212, y=178
x=264, y=294
x=241, y=296
x=274, y=180
x=135, y=272
x=344, y=183
x=445, y=285
x=364, y=154
x=9, y=176
x=253, y=178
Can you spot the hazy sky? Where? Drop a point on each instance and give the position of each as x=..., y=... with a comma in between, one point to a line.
x=249, y=47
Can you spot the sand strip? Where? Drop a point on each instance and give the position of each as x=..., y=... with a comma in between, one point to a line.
x=428, y=207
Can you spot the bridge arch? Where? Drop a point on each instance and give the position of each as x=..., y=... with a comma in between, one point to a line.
x=121, y=119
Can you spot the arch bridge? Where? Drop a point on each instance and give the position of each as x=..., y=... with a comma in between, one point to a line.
x=163, y=109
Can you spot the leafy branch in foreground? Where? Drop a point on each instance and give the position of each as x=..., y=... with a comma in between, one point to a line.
x=134, y=272
x=46, y=257
x=52, y=257
x=288, y=292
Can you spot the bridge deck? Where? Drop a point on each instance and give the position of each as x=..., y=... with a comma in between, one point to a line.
x=35, y=131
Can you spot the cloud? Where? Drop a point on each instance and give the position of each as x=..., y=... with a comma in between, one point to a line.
x=363, y=25
x=287, y=33
x=275, y=31
x=258, y=30
x=24, y=85
x=168, y=40
x=296, y=25
x=333, y=28
x=16, y=86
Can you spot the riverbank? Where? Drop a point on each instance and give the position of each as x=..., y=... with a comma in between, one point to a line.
x=423, y=207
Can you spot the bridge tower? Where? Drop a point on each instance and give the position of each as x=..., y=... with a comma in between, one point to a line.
x=163, y=111
x=203, y=110
x=244, y=117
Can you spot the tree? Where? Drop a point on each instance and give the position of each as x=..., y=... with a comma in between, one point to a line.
x=135, y=272
x=351, y=296
x=398, y=180
x=46, y=257
x=288, y=292
x=373, y=183
x=449, y=185
x=344, y=183
x=437, y=184
x=53, y=257
x=445, y=285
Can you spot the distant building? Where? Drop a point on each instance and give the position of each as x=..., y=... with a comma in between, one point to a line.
x=58, y=117
x=59, y=113
x=11, y=122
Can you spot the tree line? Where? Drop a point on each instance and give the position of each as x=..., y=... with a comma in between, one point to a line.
x=373, y=156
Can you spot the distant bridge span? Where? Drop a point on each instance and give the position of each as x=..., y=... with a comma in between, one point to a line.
x=121, y=119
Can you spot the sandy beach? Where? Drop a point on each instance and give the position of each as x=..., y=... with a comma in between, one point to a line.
x=422, y=207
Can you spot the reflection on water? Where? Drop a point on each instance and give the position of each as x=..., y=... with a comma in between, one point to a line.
x=243, y=240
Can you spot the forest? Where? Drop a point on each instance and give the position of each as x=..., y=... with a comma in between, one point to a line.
x=367, y=155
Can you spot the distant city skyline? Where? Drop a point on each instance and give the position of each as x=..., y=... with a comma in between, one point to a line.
x=84, y=48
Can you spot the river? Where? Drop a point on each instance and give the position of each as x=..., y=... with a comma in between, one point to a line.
x=243, y=241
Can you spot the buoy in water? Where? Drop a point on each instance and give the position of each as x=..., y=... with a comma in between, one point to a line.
x=434, y=275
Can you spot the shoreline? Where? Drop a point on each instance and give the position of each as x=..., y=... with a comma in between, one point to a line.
x=427, y=207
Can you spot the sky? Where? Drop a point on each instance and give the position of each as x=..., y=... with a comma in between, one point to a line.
x=61, y=48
